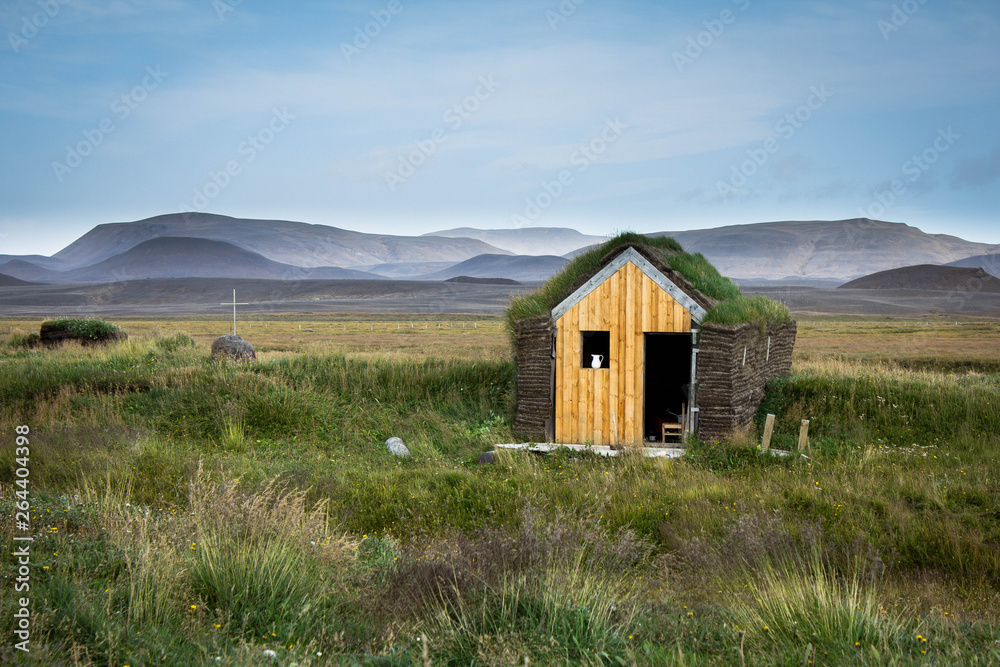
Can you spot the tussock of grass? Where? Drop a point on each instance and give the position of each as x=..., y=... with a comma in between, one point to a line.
x=24, y=341
x=253, y=556
x=795, y=601
x=560, y=614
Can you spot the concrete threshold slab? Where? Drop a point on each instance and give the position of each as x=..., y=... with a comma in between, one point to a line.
x=601, y=450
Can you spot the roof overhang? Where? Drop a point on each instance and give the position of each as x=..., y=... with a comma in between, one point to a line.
x=631, y=255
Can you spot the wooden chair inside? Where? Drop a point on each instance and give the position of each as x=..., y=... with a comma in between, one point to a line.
x=675, y=430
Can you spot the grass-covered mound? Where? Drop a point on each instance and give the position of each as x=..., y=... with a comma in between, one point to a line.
x=731, y=307
x=87, y=330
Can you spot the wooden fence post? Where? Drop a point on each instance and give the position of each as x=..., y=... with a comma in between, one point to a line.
x=803, y=434
x=765, y=443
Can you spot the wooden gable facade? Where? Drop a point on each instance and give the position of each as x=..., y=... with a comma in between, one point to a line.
x=625, y=354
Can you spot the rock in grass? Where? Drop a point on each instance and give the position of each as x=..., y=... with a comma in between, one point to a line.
x=397, y=447
x=487, y=457
x=232, y=347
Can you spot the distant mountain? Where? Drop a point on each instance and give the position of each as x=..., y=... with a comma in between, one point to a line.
x=527, y=240
x=790, y=252
x=9, y=281
x=469, y=280
x=404, y=270
x=522, y=268
x=179, y=257
x=822, y=249
x=295, y=243
x=988, y=263
x=25, y=270
x=929, y=277
x=38, y=260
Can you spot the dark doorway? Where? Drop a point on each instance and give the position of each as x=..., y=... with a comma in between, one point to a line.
x=667, y=380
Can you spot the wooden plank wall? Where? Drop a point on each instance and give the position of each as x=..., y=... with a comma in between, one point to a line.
x=604, y=406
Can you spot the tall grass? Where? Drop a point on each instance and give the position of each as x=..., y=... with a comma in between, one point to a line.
x=253, y=557
x=888, y=405
x=560, y=613
x=797, y=600
x=309, y=538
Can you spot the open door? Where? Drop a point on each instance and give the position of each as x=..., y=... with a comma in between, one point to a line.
x=666, y=382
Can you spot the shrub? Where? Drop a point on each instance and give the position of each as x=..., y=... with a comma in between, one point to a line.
x=27, y=342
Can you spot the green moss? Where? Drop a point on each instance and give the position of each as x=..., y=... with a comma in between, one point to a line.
x=732, y=308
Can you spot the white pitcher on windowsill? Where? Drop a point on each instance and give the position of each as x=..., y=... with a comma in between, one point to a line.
x=596, y=360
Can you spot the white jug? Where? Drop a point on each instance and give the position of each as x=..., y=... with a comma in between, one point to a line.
x=597, y=360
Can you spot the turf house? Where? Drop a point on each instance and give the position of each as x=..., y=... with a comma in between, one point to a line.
x=637, y=341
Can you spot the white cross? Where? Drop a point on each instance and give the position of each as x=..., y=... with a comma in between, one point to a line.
x=234, y=304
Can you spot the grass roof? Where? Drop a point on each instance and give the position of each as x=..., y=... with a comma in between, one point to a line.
x=732, y=306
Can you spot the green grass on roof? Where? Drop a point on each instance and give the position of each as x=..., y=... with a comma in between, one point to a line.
x=699, y=272
x=758, y=309
x=705, y=277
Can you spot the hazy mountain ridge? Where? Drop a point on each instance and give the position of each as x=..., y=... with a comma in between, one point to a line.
x=988, y=263
x=522, y=268
x=842, y=249
x=296, y=243
x=40, y=261
x=181, y=257
x=814, y=252
x=25, y=270
x=929, y=277
x=8, y=281
x=527, y=240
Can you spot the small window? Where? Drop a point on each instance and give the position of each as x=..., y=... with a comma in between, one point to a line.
x=596, y=349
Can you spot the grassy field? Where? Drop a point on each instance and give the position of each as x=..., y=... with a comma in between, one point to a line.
x=185, y=512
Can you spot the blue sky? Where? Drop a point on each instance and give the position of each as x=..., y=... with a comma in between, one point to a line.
x=405, y=117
